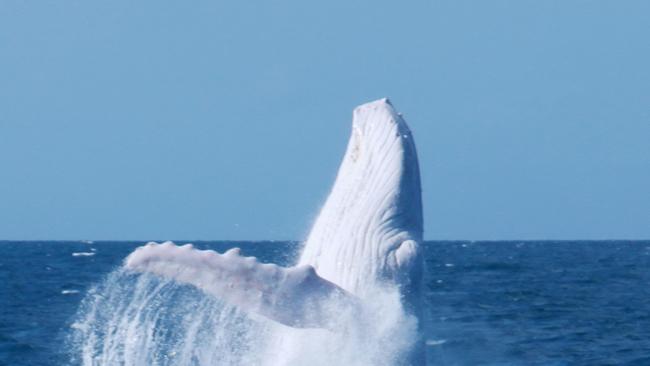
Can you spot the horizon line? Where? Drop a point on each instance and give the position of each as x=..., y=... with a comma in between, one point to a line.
x=298, y=241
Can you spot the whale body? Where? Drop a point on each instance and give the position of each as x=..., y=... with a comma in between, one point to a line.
x=363, y=248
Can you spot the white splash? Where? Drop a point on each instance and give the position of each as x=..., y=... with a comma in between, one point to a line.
x=352, y=299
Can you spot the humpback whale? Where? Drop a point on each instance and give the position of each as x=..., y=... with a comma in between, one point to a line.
x=364, y=244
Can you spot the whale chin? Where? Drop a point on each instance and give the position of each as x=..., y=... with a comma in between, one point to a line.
x=366, y=237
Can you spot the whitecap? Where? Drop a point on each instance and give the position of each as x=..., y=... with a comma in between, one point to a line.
x=435, y=342
x=83, y=254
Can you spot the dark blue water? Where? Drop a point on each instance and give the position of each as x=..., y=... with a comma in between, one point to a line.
x=487, y=303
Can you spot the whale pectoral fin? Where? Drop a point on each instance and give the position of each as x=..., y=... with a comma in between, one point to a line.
x=406, y=264
x=294, y=296
x=406, y=254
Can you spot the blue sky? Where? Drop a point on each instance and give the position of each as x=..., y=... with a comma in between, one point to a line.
x=227, y=120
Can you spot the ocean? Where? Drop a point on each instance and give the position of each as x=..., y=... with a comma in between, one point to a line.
x=486, y=303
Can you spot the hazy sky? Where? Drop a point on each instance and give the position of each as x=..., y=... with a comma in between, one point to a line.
x=228, y=119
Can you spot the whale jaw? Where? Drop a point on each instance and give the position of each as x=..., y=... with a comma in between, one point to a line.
x=370, y=227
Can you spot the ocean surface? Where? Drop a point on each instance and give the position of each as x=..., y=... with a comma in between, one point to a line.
x=486, y=303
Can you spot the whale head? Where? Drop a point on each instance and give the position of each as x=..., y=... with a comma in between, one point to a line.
x=369, y=229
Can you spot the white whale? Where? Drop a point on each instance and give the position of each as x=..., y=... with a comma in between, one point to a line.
x=365, y=242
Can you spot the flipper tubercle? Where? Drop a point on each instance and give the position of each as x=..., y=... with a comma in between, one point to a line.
x=293, y=296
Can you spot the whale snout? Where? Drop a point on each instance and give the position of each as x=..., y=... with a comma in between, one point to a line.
x=379, y=121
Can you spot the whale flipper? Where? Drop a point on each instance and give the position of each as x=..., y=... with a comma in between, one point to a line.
x=294, y=296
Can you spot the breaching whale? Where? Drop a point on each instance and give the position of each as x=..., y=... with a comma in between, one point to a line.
x=365, y=239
